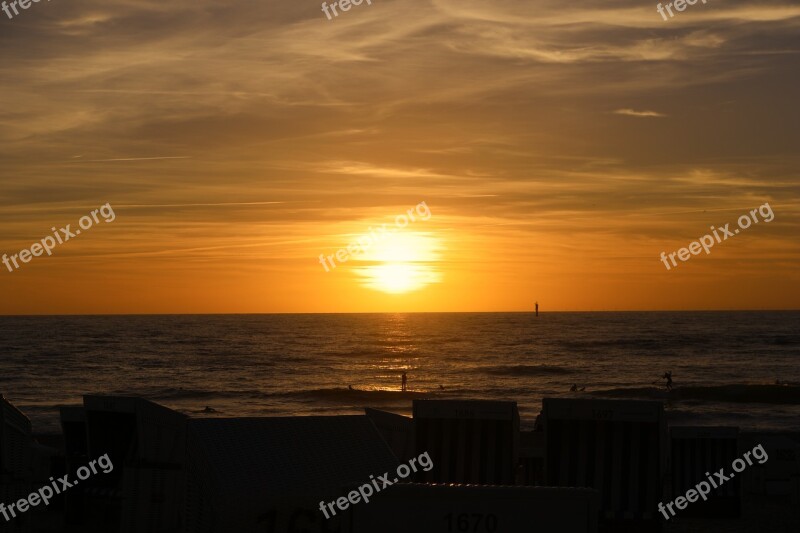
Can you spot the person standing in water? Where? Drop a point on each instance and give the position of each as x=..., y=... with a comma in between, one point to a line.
x=405, y=382
x=668, y=377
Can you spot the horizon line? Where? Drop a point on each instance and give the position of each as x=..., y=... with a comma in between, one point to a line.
x=411, y=312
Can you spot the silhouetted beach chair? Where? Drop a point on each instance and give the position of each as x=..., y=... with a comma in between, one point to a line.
x=473, y=441
x=251, y=475
x=615, y=446
x=15, y=463
x=697, y=450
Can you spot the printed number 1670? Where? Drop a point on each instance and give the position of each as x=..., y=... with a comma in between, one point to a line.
x=475, y=522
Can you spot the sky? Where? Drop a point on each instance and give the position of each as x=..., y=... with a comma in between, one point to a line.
x=547, y=151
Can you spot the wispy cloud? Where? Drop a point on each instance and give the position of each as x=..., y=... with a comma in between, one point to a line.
x=634, y=113
x=130, y=159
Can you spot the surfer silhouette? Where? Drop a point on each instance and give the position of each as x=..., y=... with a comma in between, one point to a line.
x=405, y=382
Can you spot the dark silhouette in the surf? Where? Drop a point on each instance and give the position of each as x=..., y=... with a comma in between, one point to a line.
x=575, y=388
x=537, y=308
x=350, y=387
x=668, y=377
x=405, y=382
x=209, y=410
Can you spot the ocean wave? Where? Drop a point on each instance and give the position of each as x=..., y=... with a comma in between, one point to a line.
x=526, y=370
x=184, y=394
x=740, y=393
x=342, y=394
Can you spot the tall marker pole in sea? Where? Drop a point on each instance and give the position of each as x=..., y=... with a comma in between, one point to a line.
x=537, y=308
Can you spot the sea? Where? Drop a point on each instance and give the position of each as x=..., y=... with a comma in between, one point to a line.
x=728, y=368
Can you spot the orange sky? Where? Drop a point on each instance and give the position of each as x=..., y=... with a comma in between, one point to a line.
x=559, y=149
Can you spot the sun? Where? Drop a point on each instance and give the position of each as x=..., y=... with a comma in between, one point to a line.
x=396, y=278
x=403, y=262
